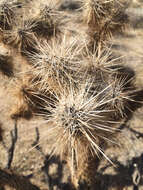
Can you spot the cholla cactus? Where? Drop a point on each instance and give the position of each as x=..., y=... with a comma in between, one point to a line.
x=30, y=97
x=23, y=92
x=80, y=92
x=7, y=13
x=48, y=21
x=79, y=124
x=104, y=18
x=21, y=36
x=56, y=63
x=101, y=71
x=83, y=119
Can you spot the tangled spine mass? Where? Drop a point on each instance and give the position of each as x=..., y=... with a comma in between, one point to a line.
x=79, y=123
x=83, y=116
